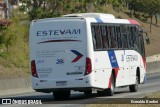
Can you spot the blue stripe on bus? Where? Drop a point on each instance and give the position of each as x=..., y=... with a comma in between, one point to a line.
x=113, y=59
x=144, y=81
x=98, y=20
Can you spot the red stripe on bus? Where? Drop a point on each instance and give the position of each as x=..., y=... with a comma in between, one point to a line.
x=116, y=71
x=134, y=22
x=110, y=80
x=59, y=41
x=144, y=61
x=77, y=58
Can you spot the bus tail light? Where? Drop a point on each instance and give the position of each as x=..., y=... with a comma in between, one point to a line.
x=33, y=69
x=88, y=69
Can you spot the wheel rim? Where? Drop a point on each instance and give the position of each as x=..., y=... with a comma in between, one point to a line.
x=136, y=86
x=112, y=86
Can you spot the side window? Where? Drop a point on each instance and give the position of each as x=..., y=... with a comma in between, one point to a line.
x=141, y=44
x=134, y=37
x=93, y=36
x=112, y=36
x=124, y=36
x=115, y=37
x=125, y=41
x=96, y=34
x=105, y=40
x=129, y=37
x=119, y=39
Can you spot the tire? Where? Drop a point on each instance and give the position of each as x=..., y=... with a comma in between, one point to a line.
x=88, y=92
x=101, y=93
x=61, y=95
x=110, y=91
x=134, y=88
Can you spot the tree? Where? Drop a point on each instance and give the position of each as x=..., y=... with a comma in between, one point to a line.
x=4, y=24
x=149, y=7
x=34, y=8
x=117, y=4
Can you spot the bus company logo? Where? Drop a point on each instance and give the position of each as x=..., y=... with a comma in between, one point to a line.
x=59, y=32
x=40, y=62
x=78, y=56
x=131, y=58
x=60, y=61
x=113, y=59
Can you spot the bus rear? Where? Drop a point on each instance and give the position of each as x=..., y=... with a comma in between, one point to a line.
x=58, y=54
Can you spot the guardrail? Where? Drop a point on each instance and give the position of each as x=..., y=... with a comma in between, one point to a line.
x=15, y=83
x=153, y=66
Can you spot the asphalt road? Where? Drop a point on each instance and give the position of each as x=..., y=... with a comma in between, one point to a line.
x=152, y=85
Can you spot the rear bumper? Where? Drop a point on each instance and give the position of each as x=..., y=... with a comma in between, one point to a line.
x=50, y=85
x=63, y=89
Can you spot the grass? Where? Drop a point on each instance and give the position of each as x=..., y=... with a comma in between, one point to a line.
x=153, y=95
x=14, y=59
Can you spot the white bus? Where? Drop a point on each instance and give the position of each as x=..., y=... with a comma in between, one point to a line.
x=82, y=52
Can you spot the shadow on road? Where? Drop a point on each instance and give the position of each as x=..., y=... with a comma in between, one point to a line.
x=77, y=98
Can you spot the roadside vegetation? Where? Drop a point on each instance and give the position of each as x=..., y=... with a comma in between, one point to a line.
x=153, y=95
x=14, y=49
x=14, y=35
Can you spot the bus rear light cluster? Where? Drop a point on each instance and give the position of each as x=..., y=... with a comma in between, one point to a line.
x=33, y=69
x=88, y=69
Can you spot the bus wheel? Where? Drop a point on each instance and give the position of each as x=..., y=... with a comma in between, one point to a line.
x=110, y=91
x=101, y=93
x=88, y=92
x=134, y=88
x=61, y=95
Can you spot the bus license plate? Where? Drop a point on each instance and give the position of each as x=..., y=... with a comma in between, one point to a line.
x=61, y=83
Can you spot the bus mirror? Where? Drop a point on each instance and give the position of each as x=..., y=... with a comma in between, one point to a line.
x=147, y=39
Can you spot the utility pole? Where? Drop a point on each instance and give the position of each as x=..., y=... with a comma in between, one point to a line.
x=7, y=17
x=6, y=13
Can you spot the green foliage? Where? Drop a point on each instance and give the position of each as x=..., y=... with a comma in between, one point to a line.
x=149, y=7
x=4, y=55
x=9, y=37
x=14, y=48
x=38, y=9
x=3, y=26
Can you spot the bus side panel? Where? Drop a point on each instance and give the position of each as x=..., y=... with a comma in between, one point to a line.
x=135, y=61
x=102, y=69
x=127, y=62
x=120, y=74
x=105, y=62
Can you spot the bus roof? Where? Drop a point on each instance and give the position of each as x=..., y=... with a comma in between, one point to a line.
x=94, y=17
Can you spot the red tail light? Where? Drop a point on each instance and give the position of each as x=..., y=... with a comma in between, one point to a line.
x=33, y=69
x=88, y=66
